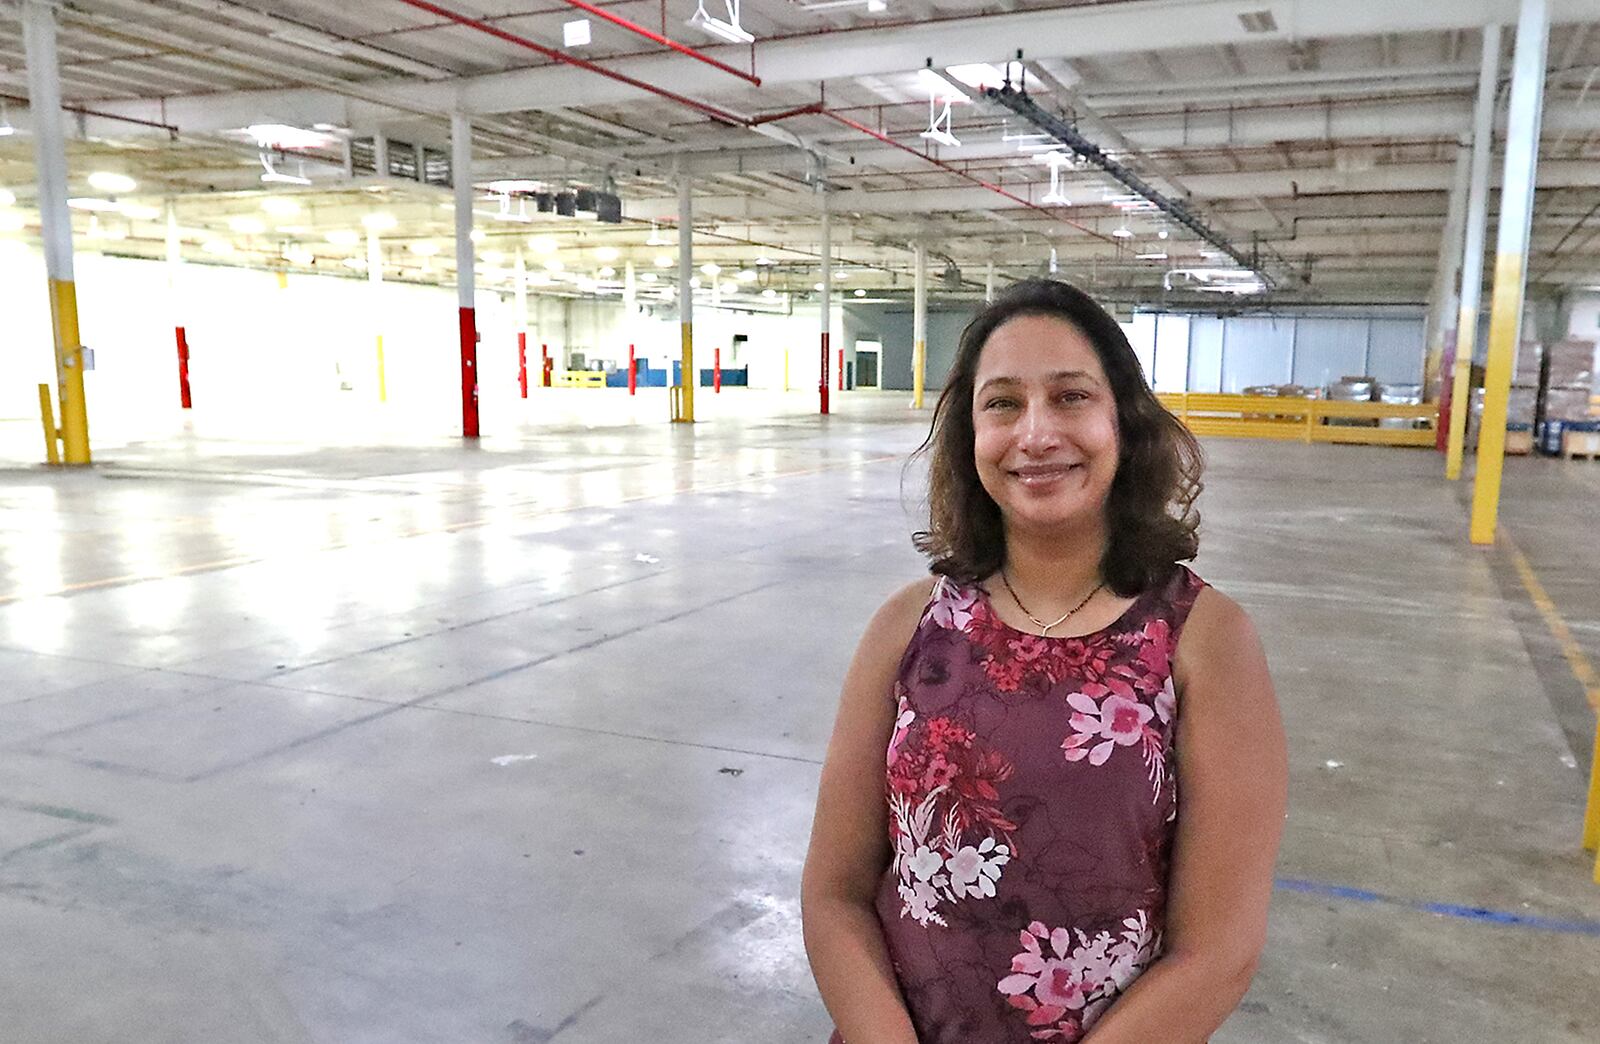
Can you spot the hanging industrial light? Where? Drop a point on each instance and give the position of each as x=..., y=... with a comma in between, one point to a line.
x=728, y=28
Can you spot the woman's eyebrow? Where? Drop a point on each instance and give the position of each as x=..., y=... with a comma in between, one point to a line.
x=1059, y=375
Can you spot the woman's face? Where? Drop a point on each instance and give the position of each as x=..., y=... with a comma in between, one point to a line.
x=1045, y=425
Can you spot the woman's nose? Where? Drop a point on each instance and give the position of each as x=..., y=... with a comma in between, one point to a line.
x=1037, y=430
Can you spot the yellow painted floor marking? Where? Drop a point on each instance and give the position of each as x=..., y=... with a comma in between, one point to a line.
x=1582, y=669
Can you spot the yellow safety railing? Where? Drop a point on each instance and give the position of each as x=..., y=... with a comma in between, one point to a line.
x=1301, y=420
x=579, y=379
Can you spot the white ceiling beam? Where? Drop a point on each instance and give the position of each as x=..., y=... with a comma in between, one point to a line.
x=1077, y=32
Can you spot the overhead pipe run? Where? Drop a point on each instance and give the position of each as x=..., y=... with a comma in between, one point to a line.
x=650, y=34
x=1019, y=102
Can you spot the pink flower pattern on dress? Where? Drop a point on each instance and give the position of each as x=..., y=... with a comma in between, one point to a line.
x=1015, y=797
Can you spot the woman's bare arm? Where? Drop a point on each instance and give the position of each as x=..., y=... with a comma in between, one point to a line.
x=849, y=839
x=1232, y=792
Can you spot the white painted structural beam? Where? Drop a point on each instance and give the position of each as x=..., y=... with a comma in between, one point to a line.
x=1079, y=32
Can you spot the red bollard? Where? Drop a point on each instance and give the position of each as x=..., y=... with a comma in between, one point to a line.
x=822, y=385
x=841, y=369
x=633, y=373
x=522, y=363
x=716, y=370
x=544, y=353
x=469, y=372
x=183, y=370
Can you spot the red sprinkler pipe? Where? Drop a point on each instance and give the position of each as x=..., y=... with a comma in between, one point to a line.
x=521, y=41
x=633, y=372
x=864, y=129
x=522, y=362
x=650, y=34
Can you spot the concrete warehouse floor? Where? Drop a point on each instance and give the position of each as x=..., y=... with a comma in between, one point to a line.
x=518, y=742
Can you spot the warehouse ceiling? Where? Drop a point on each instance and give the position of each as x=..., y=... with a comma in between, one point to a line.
x=1318, y=140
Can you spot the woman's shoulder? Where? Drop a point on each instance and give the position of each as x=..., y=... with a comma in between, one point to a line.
x=1218, y=629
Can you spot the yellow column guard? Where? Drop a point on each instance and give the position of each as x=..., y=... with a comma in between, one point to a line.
x=47, y=415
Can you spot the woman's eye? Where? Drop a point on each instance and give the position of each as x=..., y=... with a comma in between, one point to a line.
x=998, y=404
x=1074, y=396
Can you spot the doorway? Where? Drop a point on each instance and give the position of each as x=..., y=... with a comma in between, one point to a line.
x=868, y=354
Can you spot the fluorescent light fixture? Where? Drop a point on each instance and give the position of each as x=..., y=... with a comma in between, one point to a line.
x=1122, y=232
x=139, y=211
x=299, y=255
x=477, y=235
x=655, y=237
x=359, y=264
x=283, y=136
x=1162, y=234
x=607, y=272
x=423, y=248
x=977, y=75
x=730, y=287
x=7, y=198
x=542, y=244
x=648, y=277
x=554, y=264
x=575, y=33
x=747, y=275
x=764, y=260
x=817, y=287
x=494, y=257
x=769, y=293
x=379, y=221
x=727, y=29
x=280, y=206
x=91, y=203
x=710, y=269
x=246, y=225
x=345, y=237
x=1158, y=255
x=663, y=260
x=12, y=222
x=607, y=253
x=860, y=292
x=217, y=247
x=112, y=182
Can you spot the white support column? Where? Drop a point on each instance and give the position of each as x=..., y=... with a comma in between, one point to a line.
x=1472, y=252
x=519, y=289
x=827, y=286
x=919, y=324
x=55, y=221
x=1444, y=300
x=461, y=175
x=375, y=302
x=988, y=284
x=1511, y=258
x=684, y=413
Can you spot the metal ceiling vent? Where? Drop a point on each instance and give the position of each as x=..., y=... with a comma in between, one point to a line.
x=1258, y=21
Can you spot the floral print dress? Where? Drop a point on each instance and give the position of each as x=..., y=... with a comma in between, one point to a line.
x=1032, y=807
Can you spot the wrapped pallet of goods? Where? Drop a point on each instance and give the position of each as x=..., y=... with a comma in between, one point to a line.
x=1352, y=389
x=1569, y=386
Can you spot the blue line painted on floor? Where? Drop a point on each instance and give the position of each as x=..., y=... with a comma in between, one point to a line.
x=1466, y=913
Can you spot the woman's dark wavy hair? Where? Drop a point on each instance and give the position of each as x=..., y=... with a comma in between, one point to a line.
x=1151, y=521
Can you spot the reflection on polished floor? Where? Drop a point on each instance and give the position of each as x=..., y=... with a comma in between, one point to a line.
x=413, y=742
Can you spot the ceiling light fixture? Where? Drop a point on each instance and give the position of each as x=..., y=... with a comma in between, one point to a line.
x=344, y=237
x=1057, y=159
x=423, y=248
x=280, y=206
x=575, y=33
x=542, y=244
x=655, y=236
x=607, y=272
x=1162, y=234
x=607, y=253
x=91, y=203
x=939, y=89
x=747, y=275
x=1155, y=255
x=728, y=28
x=710, y=269
x=7, y=198
x=769, y=293
x=279, y=136
x=246, y=225
x=860, y=292
x=12, y=222
x=663, y=260
x=6, y=130
x=648, y=277
x=1122, y=232
x=139, y=211
x=379, y=221
x=764, y=260
x=112, y=182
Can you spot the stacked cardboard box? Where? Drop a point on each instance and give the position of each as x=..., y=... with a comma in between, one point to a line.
x=1570, y=380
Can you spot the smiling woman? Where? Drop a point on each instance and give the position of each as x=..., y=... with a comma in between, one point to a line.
x=998, y=852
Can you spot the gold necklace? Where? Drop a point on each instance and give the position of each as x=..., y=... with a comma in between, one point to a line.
x=1044, y=628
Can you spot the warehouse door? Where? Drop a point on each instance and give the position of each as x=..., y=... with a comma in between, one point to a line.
x=867, y=353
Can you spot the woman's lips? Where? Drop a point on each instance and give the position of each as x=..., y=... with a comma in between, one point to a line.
x=1043, y=474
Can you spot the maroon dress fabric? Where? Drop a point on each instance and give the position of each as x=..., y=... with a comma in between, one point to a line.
x=1032, y=807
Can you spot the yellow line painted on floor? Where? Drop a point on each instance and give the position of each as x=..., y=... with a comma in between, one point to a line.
x=454, y=527
x=1582, y=669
